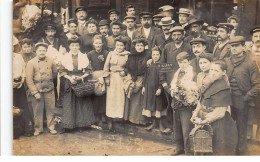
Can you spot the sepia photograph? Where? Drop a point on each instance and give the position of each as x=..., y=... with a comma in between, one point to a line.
x=136, y=78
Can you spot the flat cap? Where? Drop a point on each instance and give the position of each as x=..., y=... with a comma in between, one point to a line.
x=193, y=21
x=41, y=44
x=166, y=8
x=103, y=23
x=130, y=17
x=166, y=21
x=211, y=29
x=226, y=26
x=182, y=56
x=255, y=29
x=80, y=8
x=49, y=26
x=158, y=17
x=184, y=11
x=113, y=11
x=237, y=40
x=198, y=40
x=146, y=14
x=176, y=28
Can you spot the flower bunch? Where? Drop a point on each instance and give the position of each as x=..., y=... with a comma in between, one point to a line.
x=57, y=119
x=30, y=16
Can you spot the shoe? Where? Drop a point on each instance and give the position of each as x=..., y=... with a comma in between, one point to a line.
x=166, y=131
x=177, y=152
x=53, y=132
x=36, y=133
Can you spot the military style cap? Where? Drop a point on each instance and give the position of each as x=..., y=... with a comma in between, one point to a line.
x=193, y=21
x=182, y=56
x=158, y=17
x=255, y=29
x=226, y=26
x=198, y=40
x=41, y=44
x=184, y=11
x=146, y=14
x=130, y=17
x=166, y=8
x=113, y=11
x=237, y=40
x=176, y=28
x=81, y=8
x=166, y=21
x=103, y=23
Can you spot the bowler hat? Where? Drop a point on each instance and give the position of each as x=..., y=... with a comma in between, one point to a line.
x=113, y=11
x=237, y=40
x=193, y=21
x=255, y=29
x=80, y=8
x=198, y=40
x=184, y=11
x=176, y=28
x=166, y=21
x=103, y=23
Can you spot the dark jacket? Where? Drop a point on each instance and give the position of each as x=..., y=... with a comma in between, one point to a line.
x=219, y=54
x=161, y=41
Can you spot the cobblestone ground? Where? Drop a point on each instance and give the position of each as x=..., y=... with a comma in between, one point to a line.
x=95, y=143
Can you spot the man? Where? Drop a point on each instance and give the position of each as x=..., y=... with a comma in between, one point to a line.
x=233, y=20
x=194, y=28
x=130, y=24
x=168, y=11
x=198, y=46
x=103, y=27
x=146, y=30
x=222, y=48
x=130, y=10
x=113, y=17
x=244, y=81
x=156, y=19
x=81, y=14
x=162, y=38
x=40, y=72
x=184, y=14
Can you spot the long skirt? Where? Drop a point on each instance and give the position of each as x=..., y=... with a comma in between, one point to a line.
x=115, y=97
x=225, y=136
x=77, y=111
x=99, y=104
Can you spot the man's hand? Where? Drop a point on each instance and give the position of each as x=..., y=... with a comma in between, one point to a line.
x=37, y=96
x=21, y=83
x=149, y=62
x=158, y=92
x=15, y=84
x=165, y=85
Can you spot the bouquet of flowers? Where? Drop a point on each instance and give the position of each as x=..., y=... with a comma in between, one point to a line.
x=185, y=94
x=30, y=16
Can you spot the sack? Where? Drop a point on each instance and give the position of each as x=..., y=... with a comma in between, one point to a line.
x=100, y=86
x=83, y=89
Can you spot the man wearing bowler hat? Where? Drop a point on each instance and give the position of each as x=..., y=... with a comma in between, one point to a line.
x=103, y=27
x=162, y=38
x=81, y=14
x=222, y=48
x=244, y=81
x=194, y=28
x=184, y=14
x=147, y=30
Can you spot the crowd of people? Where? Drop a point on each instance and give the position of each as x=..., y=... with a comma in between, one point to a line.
x=212, y=78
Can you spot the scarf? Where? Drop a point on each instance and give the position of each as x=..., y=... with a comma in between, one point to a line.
x=237, y=60
x=83, y=61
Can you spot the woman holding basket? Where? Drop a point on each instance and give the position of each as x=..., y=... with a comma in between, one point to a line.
x=75, y=69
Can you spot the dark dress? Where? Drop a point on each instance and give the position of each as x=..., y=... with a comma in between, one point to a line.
x=218, y=94
x=87, y=44
x=153, y=103
x=77, y=111
x=99, y=102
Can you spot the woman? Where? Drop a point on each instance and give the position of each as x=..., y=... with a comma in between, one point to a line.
x=77, y=111
x=87, y=44
x=114, y=69
x=97, y=59
x=136, y=66
x=212, y=109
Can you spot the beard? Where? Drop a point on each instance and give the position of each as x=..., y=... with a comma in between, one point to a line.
x=146, y=25
x=194, y=33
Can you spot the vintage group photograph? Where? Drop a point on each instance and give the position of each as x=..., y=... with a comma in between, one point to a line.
x=136, y=77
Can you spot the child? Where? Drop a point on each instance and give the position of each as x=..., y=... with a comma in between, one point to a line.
x=154, y=99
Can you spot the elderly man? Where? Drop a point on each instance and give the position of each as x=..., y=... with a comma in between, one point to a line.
x=194, y=28
x=162, y=38
x=222, y=48
x=81, y=14
x=40, y=72
x=147, y=30
x=244, y=81
x=184, y=14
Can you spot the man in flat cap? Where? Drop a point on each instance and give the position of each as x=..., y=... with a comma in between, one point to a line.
x=164, y=37
x=40, y=72
x=222, y=48
x=156, y=19
x=147, y=30
x=103, y=27
x=194, y=28
x=244, y=81
x=130, y=22
x=81, y=14
x=184, y=14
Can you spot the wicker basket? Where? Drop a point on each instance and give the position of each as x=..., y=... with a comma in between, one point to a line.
x=201, y=139
x=83, y=89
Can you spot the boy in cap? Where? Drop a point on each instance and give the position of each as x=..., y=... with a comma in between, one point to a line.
x=244, y=81
x=222, y=48
x=40, y=72
x=81, y=14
